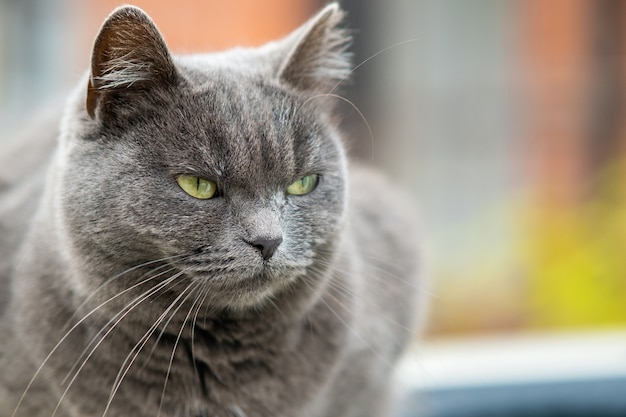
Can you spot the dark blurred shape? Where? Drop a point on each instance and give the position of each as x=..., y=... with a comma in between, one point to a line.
x=607, y=87
x=593, y=398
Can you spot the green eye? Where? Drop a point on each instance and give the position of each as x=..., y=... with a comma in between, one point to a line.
x=197, y=187
x=303, y=186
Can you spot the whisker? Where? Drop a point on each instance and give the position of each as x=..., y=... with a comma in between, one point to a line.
x=182, y=327
x=121, y=274
x=350, y=328
x=354, y=106
x=273, y=304
x=152, y=329
x=158, y=339
x=65, y=336
x=349, y=291
x=331, y=93
x=418, y=287
x=128, y=310
x=95, y=337
x=365, y=61
x=193, y=327
x=126, y=365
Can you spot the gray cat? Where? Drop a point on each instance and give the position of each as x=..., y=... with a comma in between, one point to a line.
x=192, y=242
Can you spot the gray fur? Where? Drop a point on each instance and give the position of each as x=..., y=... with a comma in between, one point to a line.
x=92, y=220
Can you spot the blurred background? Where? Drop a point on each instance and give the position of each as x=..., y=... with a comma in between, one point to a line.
x=503, y=118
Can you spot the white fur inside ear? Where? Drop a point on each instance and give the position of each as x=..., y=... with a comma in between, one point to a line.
x=123, y=72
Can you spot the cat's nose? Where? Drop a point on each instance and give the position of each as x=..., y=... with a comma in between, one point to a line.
x=267, y=246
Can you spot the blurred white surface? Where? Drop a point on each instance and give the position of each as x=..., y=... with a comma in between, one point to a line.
x=527, y=359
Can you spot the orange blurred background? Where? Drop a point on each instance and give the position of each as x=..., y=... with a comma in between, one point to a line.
x=214, y=25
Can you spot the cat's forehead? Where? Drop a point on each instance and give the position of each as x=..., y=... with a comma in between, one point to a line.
x=249, y=130
x=258, y=101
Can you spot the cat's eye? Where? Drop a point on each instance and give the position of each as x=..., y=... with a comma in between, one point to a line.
x=304, y=185
x=197, y=187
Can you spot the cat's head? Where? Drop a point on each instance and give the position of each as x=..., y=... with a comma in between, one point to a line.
x=226, y=166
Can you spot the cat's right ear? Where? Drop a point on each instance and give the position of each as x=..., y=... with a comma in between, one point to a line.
x=129, y=56
x=318, y=60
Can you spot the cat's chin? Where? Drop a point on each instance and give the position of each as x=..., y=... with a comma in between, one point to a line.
x=244, y=290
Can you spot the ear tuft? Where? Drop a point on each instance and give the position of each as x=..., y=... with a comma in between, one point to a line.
x=319, y=60
x=128, y=54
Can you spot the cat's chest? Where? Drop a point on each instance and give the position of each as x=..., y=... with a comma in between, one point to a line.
x=241, y=373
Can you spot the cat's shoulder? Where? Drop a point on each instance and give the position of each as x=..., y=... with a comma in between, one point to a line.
x=380, y=211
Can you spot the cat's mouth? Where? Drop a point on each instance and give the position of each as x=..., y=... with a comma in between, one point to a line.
x=237, y=288
x=217, y=264
x=238, y=280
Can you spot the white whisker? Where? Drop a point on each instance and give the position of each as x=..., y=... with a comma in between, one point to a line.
x=65, y=336
x=365, y=61
x=115, y=317
x=193, y=327
x=126, y=365
x=121, y=274
x=128, y=310
x=182, y=327
x=349, y=327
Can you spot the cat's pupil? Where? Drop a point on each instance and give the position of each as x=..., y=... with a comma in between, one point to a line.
x=197, y=187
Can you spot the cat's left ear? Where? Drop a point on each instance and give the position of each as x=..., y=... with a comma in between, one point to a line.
x=318, y=59
x=129, y=56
